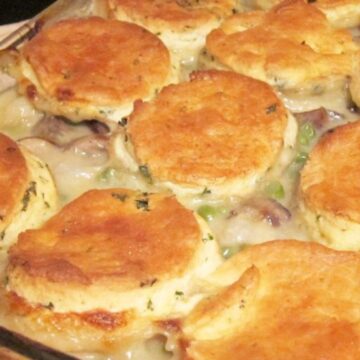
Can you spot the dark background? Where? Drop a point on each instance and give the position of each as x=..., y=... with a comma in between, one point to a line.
x=16, y=10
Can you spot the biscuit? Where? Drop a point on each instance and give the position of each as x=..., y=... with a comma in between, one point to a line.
x=281, y=300
x=355, y=84
x=181, y=24
x=292, y=47
x=93, y=68
x=220, y=131
x=27, y=191
x=329, y=191
x=126, y=254
x=340, y=13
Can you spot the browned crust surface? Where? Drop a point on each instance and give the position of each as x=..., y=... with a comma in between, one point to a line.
x=294, y=300
x=97, y=61
x=14, y=176
x=217, y=127
x=178, y=15
x=321, y=4
x=330, y=179
x=289, y=45
x=96, y=319
x=333, y=4
x=109, y=237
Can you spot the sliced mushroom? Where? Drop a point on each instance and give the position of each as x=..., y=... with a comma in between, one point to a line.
x=266, y=209
x=92, y=148
x=97, y=127
x=60, y=131
x=319, y=117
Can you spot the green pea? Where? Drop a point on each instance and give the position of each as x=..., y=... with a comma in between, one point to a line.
x=275, y=190
x=301, y=157
x=306, y=134
x=107, y=174
x=229, y=251
x=208, y=212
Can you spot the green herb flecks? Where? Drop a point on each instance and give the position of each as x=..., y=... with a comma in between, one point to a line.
x=209, y=237
x=270, y=109
x=123, y=122
x=142, y=204
x=31, y=190
x=148, y=282
x=206, y=191
x=50, y=306
x=150, y=305
x=119, y=196
x=179, y=294
x=145, y=172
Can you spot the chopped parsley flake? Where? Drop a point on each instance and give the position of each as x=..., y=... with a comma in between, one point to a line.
x=142, y=204
x=208, y=238
x=120, y=197
x=206, y=191
x=50, y=306
x=270, y=109
x=123, y=121
x=145, y=172
x=150, y=305
x=26, y=199
x=148, y=282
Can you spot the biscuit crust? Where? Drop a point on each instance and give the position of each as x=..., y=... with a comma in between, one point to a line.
x=285, y=300
x=176, y=15
x=13, y=180
x=28, y=194
x=329, y=191
x=111, y=249
x=291, y=46
x=219, y=128
x=95, y=62
x=102, y=220
x=340, y=13
x=329, y=180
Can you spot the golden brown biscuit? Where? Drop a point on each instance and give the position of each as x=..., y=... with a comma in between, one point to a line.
x=128, y=255
x=27, y=191
x=329, y=190
x=292, y=46
x=355, y=83
x=220, y=131
x=93, y=68
x=181, y=24
x=284, y=300
x=340, y=13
